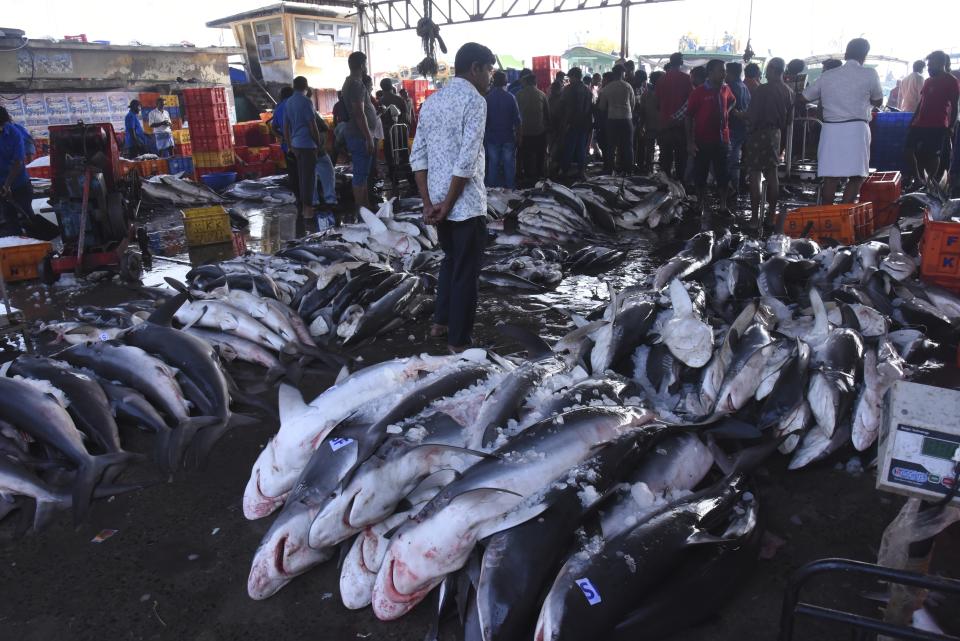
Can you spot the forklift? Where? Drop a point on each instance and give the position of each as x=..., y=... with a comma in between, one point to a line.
x=96, y=205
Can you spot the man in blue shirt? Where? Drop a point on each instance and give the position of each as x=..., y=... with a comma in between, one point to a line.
x=738, y=124
x=500, y=139
x=135, y=141
x=276, y=124
x=302, y=136
x=15, y=190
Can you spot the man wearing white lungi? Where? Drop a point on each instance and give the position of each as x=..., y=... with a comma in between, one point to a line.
x=847, y=95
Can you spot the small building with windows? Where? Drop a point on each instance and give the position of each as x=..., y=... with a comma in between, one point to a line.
x=289, y=39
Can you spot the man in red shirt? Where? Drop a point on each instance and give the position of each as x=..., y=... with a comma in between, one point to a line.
x=934, y=120
x=708, y=132
x=672, y=92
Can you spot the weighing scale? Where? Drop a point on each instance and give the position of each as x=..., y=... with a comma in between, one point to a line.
x=919, y=450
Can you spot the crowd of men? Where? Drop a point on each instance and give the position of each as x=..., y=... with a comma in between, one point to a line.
x=719, y=123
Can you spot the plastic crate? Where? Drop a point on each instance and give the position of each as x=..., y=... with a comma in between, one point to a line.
x=883, y=189
x=843, y=223
x=888, y=139
x=207, y=112
x=213, y=158
x=184, y=149
x=39, y=172
x=204, y=96
x=940, y=253
x=207, y=226
x=20, y=261
x=171, y=99
x=546, y=62
x=205, y=142
x=254, y=154
x=178, y=164
x=276, y=153
x=204, y=127
x=181, y=136
x=148, y=99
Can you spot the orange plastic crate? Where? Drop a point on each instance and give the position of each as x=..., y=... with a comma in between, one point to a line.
x=843, y=223
x=940, y=253
x=20, y=262
x=883, y=189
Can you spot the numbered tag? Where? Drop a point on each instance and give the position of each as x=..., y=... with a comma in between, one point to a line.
x=589, y=591
x=337, y=443
x=104, y=336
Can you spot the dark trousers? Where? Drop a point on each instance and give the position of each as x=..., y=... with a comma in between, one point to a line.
x=293, y=176
x=458, y=281
x=711, y=156
x=619, y=133
x=574, y=149
x=673, y=152
x=307, y=174
x=533, y=154
x=22, y=198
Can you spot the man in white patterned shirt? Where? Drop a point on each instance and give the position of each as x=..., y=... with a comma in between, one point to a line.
x=448, y=164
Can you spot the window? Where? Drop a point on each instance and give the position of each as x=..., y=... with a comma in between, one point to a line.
x=341, y=35
x=270, y=42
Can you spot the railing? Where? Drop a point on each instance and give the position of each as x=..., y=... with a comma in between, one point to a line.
x=792, y=606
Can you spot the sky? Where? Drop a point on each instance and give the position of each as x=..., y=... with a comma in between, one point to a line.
x=789, y=30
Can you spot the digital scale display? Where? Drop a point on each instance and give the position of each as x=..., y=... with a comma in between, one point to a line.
x=938, y=449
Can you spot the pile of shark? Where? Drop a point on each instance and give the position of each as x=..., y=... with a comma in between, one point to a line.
x=553, y=495
x=566, y=490
x=61, y=415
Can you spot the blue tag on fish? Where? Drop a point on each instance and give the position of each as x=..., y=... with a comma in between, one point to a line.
x=337, y=443
x=589, y=591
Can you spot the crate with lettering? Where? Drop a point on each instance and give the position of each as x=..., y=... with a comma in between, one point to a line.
x=940, y=253
x=180, y=136
x=20, y=257
x=842, y=223
x=207, y=226
x=213, y=158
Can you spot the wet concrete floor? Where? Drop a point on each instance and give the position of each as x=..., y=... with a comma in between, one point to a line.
x=177, y=565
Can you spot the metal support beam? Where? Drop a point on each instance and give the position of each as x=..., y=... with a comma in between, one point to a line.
x=383, y=16
x=625, y=30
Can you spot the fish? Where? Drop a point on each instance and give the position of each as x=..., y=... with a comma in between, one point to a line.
x=897, y=263
x=88, y=405
x=518, y=563
x=881, y=368
x=697, y=254
x=149, y=375
x=598, y=588
x=45, y=420
x=214, y=314
x=831, y=389
x=473, y=506
x=687, y=336
x=303, y=426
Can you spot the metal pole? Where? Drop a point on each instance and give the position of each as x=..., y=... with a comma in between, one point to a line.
x=625, y=30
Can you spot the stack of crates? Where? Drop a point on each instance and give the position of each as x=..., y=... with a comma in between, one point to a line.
x=210, y=133
x=181, y=142
x=181, y=164
x=545, y=68
x=883, y=190
x=417, y=90
x=253, y=133
x=257, y=161
x=171, y=102
x=148, y=102
x=845, y=224
x=888, y=140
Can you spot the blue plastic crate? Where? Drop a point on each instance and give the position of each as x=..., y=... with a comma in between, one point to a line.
x=173, y=111
x=178, y=164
